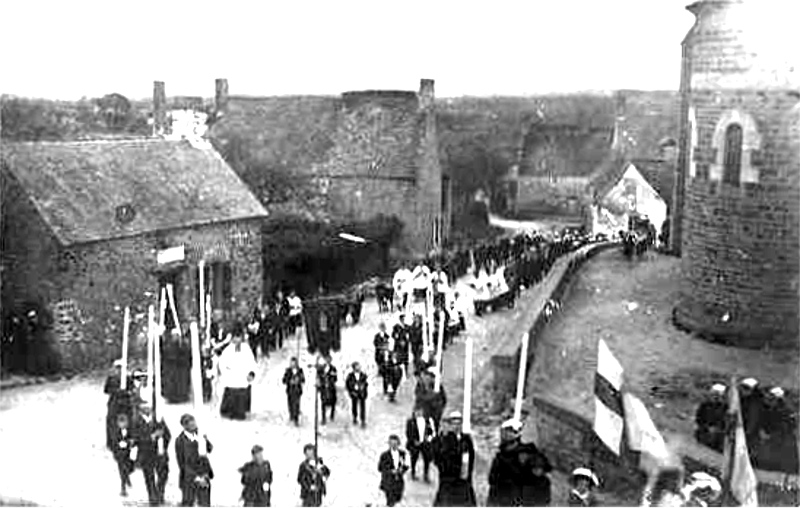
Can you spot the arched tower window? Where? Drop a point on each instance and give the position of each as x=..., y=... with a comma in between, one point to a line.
x=732, y=156
x=735, y=140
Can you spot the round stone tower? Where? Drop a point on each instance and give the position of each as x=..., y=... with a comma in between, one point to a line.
x=738, y=191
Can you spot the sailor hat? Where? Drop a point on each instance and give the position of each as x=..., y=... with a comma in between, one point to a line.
x=718, y=388
x=455, y=415
x=777, y=392
x=701, y=480
x=512, y=424
x=583, y=472
x=750, y=382
x=118, y=362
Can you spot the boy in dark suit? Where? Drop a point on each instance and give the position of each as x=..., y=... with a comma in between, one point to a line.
x=326, y=381
x=195, y=469
x=152, y=441
x=122, y=446
x=392, y=465
x=357, y=385
x=420, y=433
x=312, y=476
x=257, y=479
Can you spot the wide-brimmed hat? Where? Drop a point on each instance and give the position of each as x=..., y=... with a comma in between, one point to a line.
x=718, y=388
x=455, y=415
x=750, y=382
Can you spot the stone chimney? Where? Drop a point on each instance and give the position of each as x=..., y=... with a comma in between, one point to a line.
x=159, y=109
x=426, y=95
x=221, y=96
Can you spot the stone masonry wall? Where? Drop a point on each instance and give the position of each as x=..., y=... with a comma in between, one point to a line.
x=741, y=250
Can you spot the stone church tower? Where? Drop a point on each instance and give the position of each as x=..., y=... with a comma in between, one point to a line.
x=738, y=184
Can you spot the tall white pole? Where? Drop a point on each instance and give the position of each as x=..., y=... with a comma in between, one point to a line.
x=197, y=378
x=467, y=422
x=202, y=296
x=197, y=382
x=439, y=352
x=126, y=325
x=162, y=312
x=521, y=376
x=156, y=373
x=150, y=350
x=171, y=296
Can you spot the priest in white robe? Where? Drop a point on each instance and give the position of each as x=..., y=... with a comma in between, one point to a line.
x=237, y=367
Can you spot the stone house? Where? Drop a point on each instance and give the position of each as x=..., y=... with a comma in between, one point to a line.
x=737, y=186
x=92, y=227
x=348, y=158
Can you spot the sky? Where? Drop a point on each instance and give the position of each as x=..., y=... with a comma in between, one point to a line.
x=69, y=49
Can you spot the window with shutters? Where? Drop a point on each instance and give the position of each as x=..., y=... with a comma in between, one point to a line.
x=218, y=281
x=732, y=155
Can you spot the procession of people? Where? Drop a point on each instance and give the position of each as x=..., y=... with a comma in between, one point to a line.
x=427, y=315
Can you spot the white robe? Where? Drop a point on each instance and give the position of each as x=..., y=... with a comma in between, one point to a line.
x=235, y=366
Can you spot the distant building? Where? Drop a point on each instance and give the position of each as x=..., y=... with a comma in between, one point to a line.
x=737, y=220
x=92, y=227
x=564, y=161
x=354, y=157
x=632, y=188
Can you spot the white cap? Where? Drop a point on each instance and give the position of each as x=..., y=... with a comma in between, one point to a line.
x=750, y=382
x=512, y=424
x=586, y=473
x=777, y=392
x=432, y=370
x=718, y=388
x=701, y=480
x=455, y=415
x=118, y=362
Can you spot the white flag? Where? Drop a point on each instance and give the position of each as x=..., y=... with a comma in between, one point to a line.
x=608, y=416
x=643, y=437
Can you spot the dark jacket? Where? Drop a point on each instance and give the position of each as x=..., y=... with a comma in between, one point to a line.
x=576, y=500
x=294, y=381
x=327, y=384
x=192, y=465
x=122, y=444
x=357, y=386
x=413, y=439
x=449, y=451
x=511, y=478
x=148, y=434
x=312, y=480
x=391, y=477
x=254, y=476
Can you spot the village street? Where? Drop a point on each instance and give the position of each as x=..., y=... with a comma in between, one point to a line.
x=52, y=435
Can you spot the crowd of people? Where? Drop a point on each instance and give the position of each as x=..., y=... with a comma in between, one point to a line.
x=769, y=424
x=519, y=473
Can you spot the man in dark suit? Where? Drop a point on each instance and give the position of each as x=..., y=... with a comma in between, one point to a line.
x=312, y=476
x=392, y=465
x=294, y=378
x=454, y=456
x=420, y=433
x=152, y=439
x=381, y=343
x=393, y=373
x=357, y=385
x=401, y=333
x=195, y=469
x=518, y=474
x=326, y=380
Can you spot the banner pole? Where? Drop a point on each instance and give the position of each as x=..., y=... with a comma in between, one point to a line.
x=467, y=422
x=521, y=376
x=439, y=351
x=157, y=386
x=201, y=266
x=126, y=324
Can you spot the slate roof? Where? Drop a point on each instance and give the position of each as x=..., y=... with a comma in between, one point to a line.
x=78, y=186
x=582, y=149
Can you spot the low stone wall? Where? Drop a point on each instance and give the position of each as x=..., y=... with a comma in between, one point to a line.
x=505, y=362
x=568, y=438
